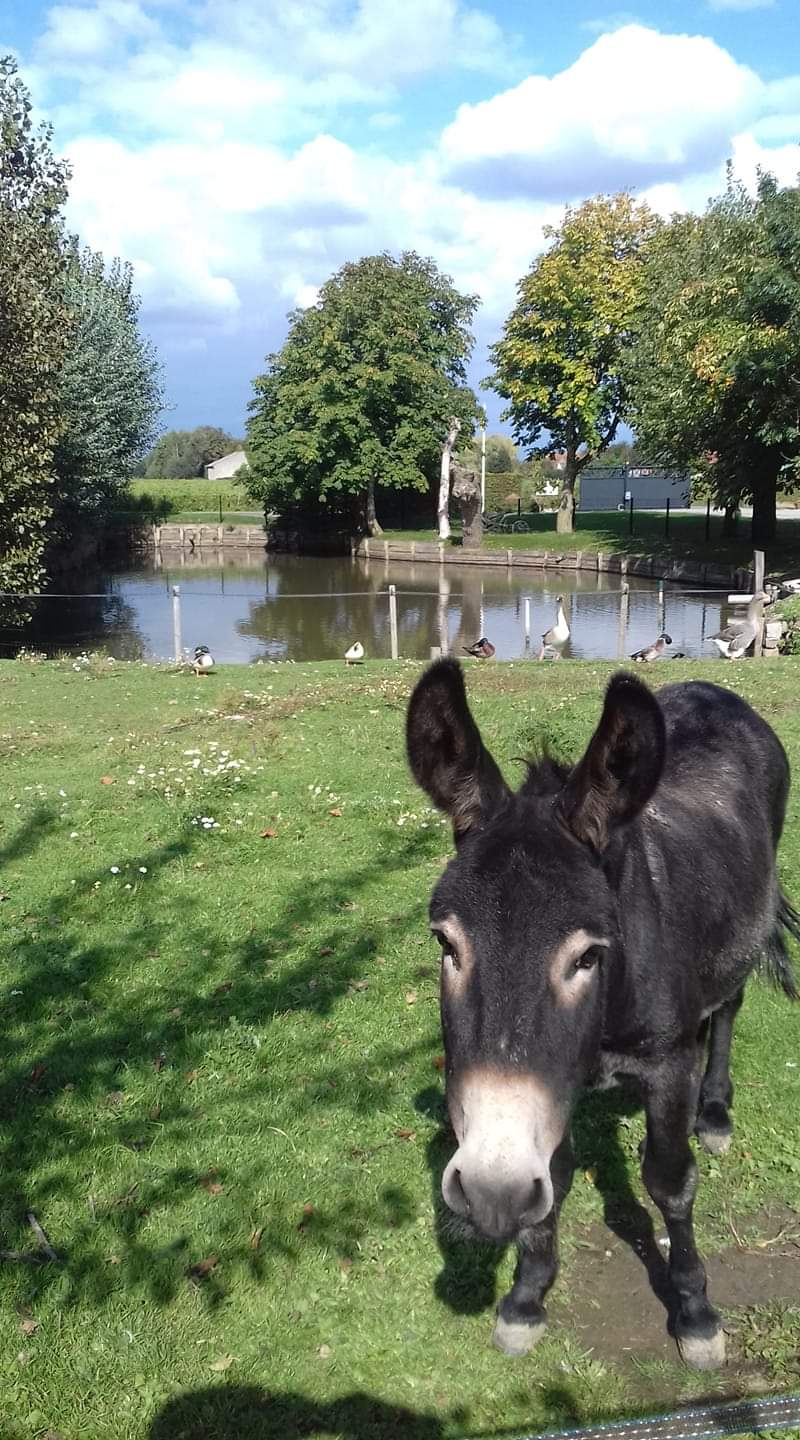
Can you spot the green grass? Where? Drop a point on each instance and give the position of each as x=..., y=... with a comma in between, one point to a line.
x=608, y=531
x=219, y=1045
x=190, y=501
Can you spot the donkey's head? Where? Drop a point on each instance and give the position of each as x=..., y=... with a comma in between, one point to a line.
x=527, y=923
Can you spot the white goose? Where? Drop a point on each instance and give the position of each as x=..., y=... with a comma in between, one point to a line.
x=355, y=654
x=558, y=634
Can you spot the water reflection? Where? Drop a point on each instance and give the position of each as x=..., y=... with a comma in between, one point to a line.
x=304, y=608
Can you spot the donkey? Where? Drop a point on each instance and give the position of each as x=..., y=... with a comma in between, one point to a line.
x=597, y=924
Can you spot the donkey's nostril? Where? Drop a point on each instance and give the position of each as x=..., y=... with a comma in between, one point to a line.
x=539, y=1202
x=456, y=1195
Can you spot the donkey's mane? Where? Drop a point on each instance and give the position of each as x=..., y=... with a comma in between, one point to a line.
x=546, y=775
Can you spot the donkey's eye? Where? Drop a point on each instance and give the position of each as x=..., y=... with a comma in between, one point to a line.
x=589, y=958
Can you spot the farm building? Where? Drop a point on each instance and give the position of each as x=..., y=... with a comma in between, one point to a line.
x=226, y=466
x=613, y=488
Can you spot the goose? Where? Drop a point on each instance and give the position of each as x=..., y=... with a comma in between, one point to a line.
x=735, y=639
x=558, y=634
x=549, y=652
x=355, y=654
x=483, y=649
x=653, y=652
x=203, y=662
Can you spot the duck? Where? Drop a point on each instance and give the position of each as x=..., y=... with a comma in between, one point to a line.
x=558, y=634
x=735, y=639
x=655, y=651
x=355, y=654
x=203, y=662
x=483, y=649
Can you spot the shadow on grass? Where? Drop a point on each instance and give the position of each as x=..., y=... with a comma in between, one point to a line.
x=98, y=1028
x=239, y=1412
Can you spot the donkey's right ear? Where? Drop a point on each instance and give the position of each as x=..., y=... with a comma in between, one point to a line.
x=445, y=751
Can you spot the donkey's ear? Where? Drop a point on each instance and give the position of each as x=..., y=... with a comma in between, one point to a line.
x=445, y=750
x=621, y=767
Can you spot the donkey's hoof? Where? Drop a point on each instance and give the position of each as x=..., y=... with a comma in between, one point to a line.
x=716, y=1142
x=703, y=1352
x=516, y=1339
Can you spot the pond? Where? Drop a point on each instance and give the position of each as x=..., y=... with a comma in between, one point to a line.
x=287, y=607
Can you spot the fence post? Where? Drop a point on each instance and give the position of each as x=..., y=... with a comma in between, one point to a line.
x=758, y=584
x=176, y=623
x=219, y=497
x=708, y=521
x=630, y=521
x=666, y=521
x=527, y=621
x=393, y=620
x=623, y=619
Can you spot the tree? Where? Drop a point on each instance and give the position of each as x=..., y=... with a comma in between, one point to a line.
x=35, y=327
x=110, y=390
x=363, y=390
x=559, y=363
x=443, y=507
x=184, y=454
x=713, y=375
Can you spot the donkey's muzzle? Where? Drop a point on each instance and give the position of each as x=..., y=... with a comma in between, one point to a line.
x=497, y=1209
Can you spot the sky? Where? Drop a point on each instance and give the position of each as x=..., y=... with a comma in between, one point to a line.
x=238, y=151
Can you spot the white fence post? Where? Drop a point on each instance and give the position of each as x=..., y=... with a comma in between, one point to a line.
x=393, y=620
x=527, y=621
x=176, y=623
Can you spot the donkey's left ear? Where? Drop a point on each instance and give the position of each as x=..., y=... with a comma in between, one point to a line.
x=622, y=765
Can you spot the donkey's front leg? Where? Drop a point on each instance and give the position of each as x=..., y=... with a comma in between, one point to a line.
x=521, y=1316
x=670, y=1174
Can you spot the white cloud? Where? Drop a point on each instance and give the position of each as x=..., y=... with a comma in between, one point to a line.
x=638, y=107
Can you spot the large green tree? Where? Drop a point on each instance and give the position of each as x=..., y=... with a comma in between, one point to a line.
x=35, y=329
x=560, y=360
x=110, y=389
x=184, y=454
x=364, y=389
x=714, y=372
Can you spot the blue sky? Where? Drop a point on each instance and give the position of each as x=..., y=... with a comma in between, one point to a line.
x=238, y=151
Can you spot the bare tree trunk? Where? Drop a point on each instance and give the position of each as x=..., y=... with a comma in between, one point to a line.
x=443, y=508
x=729, y=520
x=373, y=528
x=565, y=515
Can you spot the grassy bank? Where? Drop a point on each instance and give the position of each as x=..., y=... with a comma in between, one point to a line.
x=219, y=1084
x=609, y=531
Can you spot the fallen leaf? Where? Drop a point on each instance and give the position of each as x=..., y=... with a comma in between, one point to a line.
x=406, y=1134
x=255, y=1237
x=176, y=1013
x=191, y=1076
x=308, y=1208
x=324, y=1352
x=159, y=1062
x=29, y=1327
x=337, y=812
x=269, y=834
x=106, y=780
x=326, y=950
x=202, y=1268
x=210, y=1182
x=154, y=1112
x=223, y=1363
x=411, y=997
x=37, y=1072
x=345, y=1265
x=438, y=1062
x=214, y=1188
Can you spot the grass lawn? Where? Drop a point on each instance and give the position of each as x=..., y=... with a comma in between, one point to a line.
x=608, y=531
x=219, y=1086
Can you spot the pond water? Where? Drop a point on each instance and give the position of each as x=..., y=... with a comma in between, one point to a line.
x=288, y=607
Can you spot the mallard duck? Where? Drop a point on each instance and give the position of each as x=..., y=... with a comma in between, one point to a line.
x=355, y=654
x=558, y=634
x=655, y=651
x=203, y=662
x=483, y=649
x=735, y=639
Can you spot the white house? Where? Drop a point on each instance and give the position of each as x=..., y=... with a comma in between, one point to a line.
x=226, y=466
